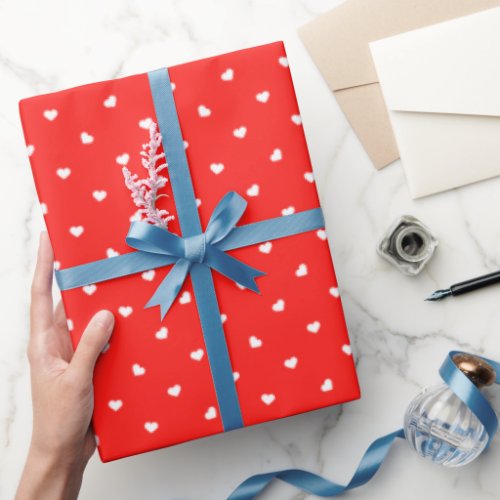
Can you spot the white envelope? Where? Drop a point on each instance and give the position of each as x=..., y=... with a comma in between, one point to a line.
x=441, y=85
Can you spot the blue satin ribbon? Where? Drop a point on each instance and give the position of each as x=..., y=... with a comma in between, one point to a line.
x=378, y=450
x=195, y=252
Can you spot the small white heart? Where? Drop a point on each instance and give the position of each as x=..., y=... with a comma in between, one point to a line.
x=111, y=253
x=138, y=370
x=255, y=342
x=174, y=391
x=291, y=362
x=346, y=349
x=314, y=327
x=172, y=86
x=185, y=298
x=223, y=318
x=63, y=173
x=240, y=132
x=266, y=247
x=198, y=202
x=186, y=144
x=123, y=159
x=57, y=265
x=197, y=355
x=296, y=119
x=268, y=399
x=253, y=190
x=99, y=195
x=327, y=385
x=44, y=208
x=115, y=404
x=110, y=101
x=203, y=111
x=228, y=75
x=263, y=96
x=334, y=292
x=301, y=271
x=321, y=234
x=50, y=114
x=283, y=61
x=276, y=155
x=76, y=231
x=241, y=287
x=86, y=138
x=148, y=275
x=89, y=289
x=70, y=324
x=236, y=376
x=151, y=427
x=216, y=168
x=30, y=149
x=211, y=413
x=309, y=177
x=162, y=333
x=279, y=306
x=145, y=123
x=288, y=211
x=125, y=311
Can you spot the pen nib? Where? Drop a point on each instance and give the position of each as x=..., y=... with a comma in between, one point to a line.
x=439, y=294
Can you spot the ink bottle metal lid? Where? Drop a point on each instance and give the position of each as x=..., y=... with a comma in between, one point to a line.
x=408, y=244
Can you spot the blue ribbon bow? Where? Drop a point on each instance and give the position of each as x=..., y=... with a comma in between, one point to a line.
x=198, y=249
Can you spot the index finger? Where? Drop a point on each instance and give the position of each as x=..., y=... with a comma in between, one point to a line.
x=41, y=310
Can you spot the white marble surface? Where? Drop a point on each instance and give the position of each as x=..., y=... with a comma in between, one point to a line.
x=399, y=340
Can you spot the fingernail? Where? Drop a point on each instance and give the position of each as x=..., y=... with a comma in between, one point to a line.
x=105, y=319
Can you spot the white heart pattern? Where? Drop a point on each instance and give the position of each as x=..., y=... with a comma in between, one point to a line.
x=115, y=404
x=123, y=159
x=211, y=413
x=50, y=114
x=203, y=111
x=296, y=119
x=327, y=385
x=110, y=101
x=76, y=231
x=99, y=194
x=301, y=271
x=321, y=234
x=266, y=247
x=185, y=298
x=236, y=376
x=174, y=391
x=125, y=311
x=240, y=132
x=216, y=168
x=346, y=349
x=151, y=427
x=57, y=265
x=253, y=190
x=263, y=96
x=309, y=177
x=64, y=172
x=223, y=318
x=198, y=202
x=138, y=370
x=173, y=86
x=89, y=289
x=288, y=211
x=291, y=362
x=268, y=399
x=279, y=306
x=43, y=207
x=313, y=327
x=334, y=292
x=254, y=342
x=228, y=75
x=283, y=61
x=276, y=155
x=197, y=355
x=162, y=333
x=70, y=325
x=110, y=252
x=30, y=149
x=186, y=144
x=148, y=275
x=145, y=123
x=86, y=138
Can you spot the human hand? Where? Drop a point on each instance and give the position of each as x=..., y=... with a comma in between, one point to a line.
x=62, y=392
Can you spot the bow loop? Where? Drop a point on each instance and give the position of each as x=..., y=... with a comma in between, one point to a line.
x=225, y=216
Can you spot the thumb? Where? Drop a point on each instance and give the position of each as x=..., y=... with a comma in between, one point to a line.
x=92, y=342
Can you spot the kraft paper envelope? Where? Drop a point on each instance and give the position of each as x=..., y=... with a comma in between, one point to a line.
x=442, y=87
x=338, y=43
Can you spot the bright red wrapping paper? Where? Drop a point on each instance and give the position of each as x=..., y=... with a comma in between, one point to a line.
x=289, y=347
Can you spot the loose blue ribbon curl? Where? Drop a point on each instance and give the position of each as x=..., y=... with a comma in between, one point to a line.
x=376, y=453
x=195, y=252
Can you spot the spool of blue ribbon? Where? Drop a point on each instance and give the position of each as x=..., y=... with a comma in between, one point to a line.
x=376, y=453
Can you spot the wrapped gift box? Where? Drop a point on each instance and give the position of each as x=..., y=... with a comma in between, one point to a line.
x=288, y=346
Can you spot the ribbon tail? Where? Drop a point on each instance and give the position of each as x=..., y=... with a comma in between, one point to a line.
x=232, y=268
x=170, y=287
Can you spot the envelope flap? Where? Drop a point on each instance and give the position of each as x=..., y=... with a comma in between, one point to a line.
x=451, y=67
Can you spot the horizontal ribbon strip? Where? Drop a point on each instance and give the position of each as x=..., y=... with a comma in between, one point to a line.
x=376, y=453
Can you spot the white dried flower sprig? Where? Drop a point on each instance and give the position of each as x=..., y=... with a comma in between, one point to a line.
x=144, y=192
